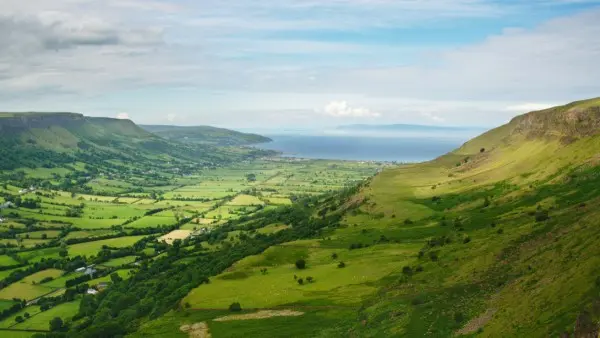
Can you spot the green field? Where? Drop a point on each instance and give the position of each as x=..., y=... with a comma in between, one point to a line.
x=41, y=320
x=92, y=248
x=23, y=290
x=38, y=276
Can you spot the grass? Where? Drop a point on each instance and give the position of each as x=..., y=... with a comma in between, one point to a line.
x=120, y=261
x=246, y=200
x=92, y=248
x=23, y=290
x=41, y=320
x=38, y=276
x=7, y=261
x=343, y=286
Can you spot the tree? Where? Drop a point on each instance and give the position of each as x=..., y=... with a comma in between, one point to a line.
x=300, y=281
x=44, y=236
x=235, y=307
x=56, y=324
x=251, y=177
x=63, y=253
x=115, y=278
x=19, y=319
x=334, y=256
x=482, y=150
x=26, y=315
x=342, y=265
x=407, y=270
x=309, y=279
x=301, y=264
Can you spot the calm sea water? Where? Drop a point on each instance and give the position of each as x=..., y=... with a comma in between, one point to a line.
x=367, y=148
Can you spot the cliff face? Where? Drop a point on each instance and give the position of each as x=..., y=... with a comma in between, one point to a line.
x=19, y=122
x=568, y=122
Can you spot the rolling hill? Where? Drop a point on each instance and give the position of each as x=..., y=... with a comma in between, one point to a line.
x=206, y=135
x=55, y=139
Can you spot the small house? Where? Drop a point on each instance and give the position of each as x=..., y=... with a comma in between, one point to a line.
x=92, y=292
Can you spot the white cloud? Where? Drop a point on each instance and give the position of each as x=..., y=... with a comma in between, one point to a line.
x=342, y=109
x=123, y=116
x=433, y=117
x=527, y=107
x=171, y=117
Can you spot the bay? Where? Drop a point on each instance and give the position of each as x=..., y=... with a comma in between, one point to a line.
x=363, y=148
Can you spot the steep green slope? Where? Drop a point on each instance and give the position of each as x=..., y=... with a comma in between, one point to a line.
x=54, y=139
x=206, y=135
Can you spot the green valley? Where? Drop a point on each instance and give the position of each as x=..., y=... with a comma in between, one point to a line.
x=201, y=238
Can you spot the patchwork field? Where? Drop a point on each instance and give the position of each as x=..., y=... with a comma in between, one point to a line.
x=117, y=211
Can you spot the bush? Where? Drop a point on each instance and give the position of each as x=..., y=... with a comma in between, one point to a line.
x=459, y=317
x=235, y=307
x=300, y=281
x=541, y=216
x=500, y=231
x=334, y=256
x=310, y=279
x=419, y=269
x=301, y=264
x=56, y=324
x=407, y=270
x=341, y=265
x=408, y=221
x=433, y=256
x=19, y=319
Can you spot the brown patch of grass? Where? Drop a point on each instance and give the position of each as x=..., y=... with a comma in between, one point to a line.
x=261, y=315
x=197, y=330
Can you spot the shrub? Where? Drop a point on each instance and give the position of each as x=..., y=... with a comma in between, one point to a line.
x=235, y=307
x=310, y=279
x=407, y=270
x=433, y=256
x=300, y=281
x=419, y=268
x=334, y=256
x=459, y=317
x=500, y=231
x=408, y=221
x=56, y=324
x=301, y=264
x=482, y=150
x=341, y=265
x=541, y=216
x=19, y=319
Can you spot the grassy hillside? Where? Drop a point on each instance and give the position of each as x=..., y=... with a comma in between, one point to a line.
x=57, y=139
x=495, y=239
x=206, y=135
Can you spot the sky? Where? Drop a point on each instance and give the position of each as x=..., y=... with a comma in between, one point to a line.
x=298, y=63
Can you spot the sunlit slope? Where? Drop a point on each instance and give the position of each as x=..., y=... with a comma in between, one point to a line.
x=509, y=226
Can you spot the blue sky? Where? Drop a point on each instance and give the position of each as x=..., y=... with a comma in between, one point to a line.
x=292, y=63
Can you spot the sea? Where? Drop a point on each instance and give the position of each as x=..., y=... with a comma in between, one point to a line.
x=364, y=147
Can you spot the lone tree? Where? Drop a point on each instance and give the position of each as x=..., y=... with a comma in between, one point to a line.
x=334, y=256
x=301, y=264
x=310, y=279
x=56, y=324
x=235, y=307
x=300, y=281
x=19, y=319
x=342, y=265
